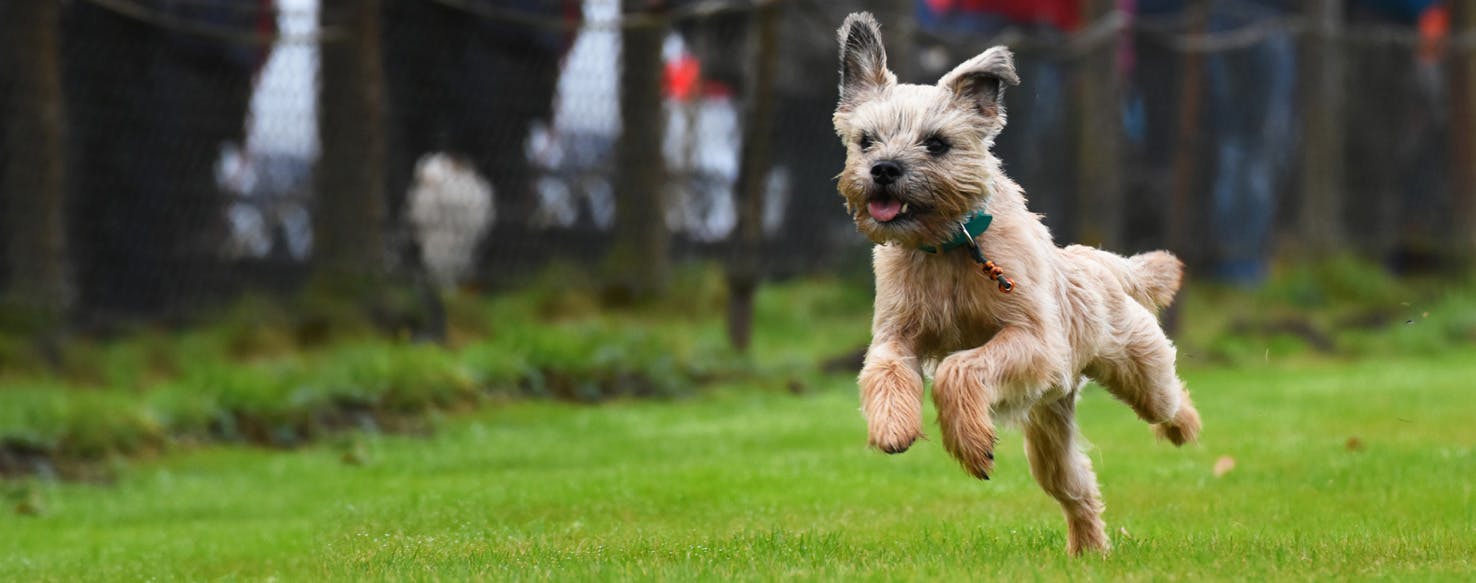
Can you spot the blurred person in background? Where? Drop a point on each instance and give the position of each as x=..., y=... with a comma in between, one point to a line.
x=472, y=78
x=149, y=105
x=1252, y=100
x=1398, y=196
x=801, y=182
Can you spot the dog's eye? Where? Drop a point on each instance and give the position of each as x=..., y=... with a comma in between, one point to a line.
x=864, y=142
x=936, y=146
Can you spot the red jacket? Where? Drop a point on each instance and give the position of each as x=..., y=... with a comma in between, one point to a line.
x=1063, y=14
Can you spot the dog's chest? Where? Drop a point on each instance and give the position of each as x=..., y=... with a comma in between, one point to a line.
x=954, y=307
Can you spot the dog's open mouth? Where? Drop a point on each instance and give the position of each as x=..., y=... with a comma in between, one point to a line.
x=885, y=208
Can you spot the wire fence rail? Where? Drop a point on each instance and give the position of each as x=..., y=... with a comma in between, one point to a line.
x=1170, y=30
x=164, y=155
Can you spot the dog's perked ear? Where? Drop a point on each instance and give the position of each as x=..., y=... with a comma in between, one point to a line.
x=863, y=60
x=981, y=81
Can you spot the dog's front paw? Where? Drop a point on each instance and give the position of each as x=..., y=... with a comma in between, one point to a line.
x=893, y=436
x=891, y=398
x=963, y=413
x=972, y=444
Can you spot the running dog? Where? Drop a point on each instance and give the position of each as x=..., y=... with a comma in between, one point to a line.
x=970, y=285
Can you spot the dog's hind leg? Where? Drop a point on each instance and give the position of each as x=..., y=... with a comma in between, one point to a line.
x=1140, y=372
x=1065, y=472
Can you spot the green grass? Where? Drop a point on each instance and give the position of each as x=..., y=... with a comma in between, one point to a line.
x=747, y=482
x=742, y=480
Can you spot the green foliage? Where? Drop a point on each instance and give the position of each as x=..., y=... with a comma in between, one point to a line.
x=1338, y=309
x=35, y=414
x=425, y=377
x=1344, y=280
x=697, y=291
x=265, y=391
x=254, y=327
x=188, y=412
x=17, y=355
x=87, y=425
x=103, y=424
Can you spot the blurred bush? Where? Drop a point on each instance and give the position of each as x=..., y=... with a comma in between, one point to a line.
x=258, y=381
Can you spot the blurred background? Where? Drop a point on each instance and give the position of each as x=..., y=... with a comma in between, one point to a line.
x=188, y=184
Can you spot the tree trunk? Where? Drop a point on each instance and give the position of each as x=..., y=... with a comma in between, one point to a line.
x=637, y=266
x=349, y=223
x=34, y=219
x=745, y=268
x=1463, y=130
x=1099, y=144
x=1320, y=218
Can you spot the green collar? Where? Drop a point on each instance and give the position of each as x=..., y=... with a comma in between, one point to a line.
x=975, y=226
x=967, y=232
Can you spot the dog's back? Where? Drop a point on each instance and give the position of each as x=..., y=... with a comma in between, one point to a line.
x=1151, y=278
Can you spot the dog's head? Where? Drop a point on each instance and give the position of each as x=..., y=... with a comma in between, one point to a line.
x=916, y=155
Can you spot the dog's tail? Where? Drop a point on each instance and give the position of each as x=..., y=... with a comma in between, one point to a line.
x=1153, y=278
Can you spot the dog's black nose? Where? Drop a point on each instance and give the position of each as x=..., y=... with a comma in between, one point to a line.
x=886, y=172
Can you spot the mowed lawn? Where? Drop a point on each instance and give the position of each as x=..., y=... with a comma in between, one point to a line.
x=755, y=483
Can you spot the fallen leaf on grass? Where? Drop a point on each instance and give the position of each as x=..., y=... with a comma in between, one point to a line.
x=1354, y=444
x=1224, y=465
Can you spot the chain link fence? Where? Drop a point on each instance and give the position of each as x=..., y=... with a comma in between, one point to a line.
x=164, y=154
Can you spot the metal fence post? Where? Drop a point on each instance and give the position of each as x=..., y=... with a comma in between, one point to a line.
x=350, y=219
x=638, y=264
x=744, y=266
x=1463, y=126
x=1321, y=214
x=34, y=217
x=1099, y=145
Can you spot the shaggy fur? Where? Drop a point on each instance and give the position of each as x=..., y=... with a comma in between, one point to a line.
x=1020, y=357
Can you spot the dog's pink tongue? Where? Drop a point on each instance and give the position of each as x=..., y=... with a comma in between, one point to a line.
x=885, y=209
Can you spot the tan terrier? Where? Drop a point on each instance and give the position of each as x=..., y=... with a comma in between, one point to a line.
x=970, y=284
